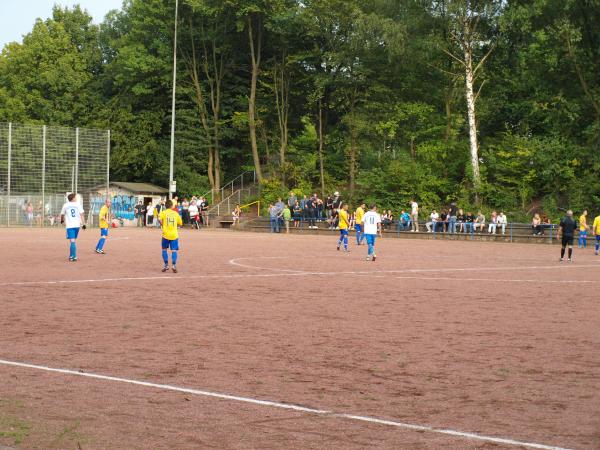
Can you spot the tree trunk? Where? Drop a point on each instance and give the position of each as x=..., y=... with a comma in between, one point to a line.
x=469, y=79
x=321, y=164
x=448, y=105
x=281, y=89
x=255, y=52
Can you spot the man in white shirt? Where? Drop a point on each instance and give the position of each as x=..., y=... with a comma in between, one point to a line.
x=372, y=227
x=414, y=215
x=502, y=221
x=72, y=216
x=150, y=215
x=433, y=222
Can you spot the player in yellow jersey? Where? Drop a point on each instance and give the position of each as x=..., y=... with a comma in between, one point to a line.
x=343, y=224
x=169, y=221
x=596, y=231
x=583, y=229
x=103, y=219
x=358, y=216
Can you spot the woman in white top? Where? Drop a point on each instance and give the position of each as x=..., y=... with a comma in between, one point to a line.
x=150, y=215
x=194, y=214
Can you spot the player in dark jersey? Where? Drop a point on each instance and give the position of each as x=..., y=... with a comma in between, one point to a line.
x=566, y=232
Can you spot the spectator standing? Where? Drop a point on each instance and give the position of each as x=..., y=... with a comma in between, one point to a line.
x=29, y=213
x=236, y=215
x=291, y=201
x=443, y=222
x=138, y=213
x=185, y=211
x=566, y=233
x=452, y=218
x=312, y=207
x=583, y=229
x=304, y=205
x=502, y=221
x=203, y=207
x=329, y=206
x=194, y=214
x=536, y=224
x=414, y=215
x=297, y=214
x=274, y=218
x=150, y=215
x=157, y=210
x=337, y=201
x=287, y=218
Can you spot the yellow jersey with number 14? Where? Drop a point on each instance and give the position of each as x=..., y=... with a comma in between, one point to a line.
x=169, y=220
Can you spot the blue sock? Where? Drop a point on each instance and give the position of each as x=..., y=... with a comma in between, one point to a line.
x=597, y=245
x=165, y=256
x=346, y=242
x=174, y=257
x=101, y=242
x=73, y=250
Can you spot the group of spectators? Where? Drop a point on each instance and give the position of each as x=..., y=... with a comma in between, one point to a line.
x=193, y=212
x=309, y=209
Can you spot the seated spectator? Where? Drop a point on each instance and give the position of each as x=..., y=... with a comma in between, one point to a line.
x=502, y=221
x=460, y=220
x=386, y=219
x=469, y=222
x=433, y=218
x=443, y=222
x=403, y=221
x=297, y=213
x=546, y=223
x=493, y=223
x=333, y=220
x=479, y=222
x=235, y=215
x=536, y=225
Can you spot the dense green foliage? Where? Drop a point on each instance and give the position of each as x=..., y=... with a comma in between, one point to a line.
x=366, y=97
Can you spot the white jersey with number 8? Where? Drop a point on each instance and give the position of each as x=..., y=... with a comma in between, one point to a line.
x=72, y=212
x=370, y=221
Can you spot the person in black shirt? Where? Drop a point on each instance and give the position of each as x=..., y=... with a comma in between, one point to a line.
x=469, y=223
x=566, y=231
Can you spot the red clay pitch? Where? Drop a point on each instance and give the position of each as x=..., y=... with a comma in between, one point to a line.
x=501, y=340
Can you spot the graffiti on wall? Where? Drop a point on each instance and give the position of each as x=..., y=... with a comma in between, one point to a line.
x=122, y=205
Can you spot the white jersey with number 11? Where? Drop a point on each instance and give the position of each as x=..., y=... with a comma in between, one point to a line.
x=370, y=221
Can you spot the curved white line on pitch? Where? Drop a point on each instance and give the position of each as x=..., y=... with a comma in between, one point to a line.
x=235, y=262
x=288, y=406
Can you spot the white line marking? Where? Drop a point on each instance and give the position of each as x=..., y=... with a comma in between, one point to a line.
x=500, y=280
x=287, y=406
x=290, y=274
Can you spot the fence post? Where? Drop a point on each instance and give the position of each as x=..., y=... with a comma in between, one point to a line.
x=76, y=157
x=228, y=205
x=108, y=166
x=9, y=161
x=43, y=175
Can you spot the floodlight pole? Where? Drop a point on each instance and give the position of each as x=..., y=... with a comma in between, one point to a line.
x=173, y=104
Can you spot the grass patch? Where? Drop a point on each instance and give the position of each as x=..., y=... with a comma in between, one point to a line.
x=13, y=428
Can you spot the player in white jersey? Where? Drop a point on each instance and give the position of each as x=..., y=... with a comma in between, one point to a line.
x=372, y=227
x=72, y=216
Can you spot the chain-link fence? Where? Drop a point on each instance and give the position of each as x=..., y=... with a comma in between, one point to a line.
x=39, y=165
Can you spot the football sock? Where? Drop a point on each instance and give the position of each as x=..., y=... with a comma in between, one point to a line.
x=165, y=256
x=570, y=252
x=562, y=252
x=346, y=242
x=100, y=245
x=174, y=257
x=73, y=250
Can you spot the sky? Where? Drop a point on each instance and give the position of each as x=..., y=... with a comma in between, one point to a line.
x=18, y=16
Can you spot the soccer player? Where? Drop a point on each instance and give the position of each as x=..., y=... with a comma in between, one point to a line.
x=372, y=226
x=72, y=216
x=583, y=229
x=358, y=217
x=596, y=231
x=103, y=219
x=169, y=221
x=343, y=225
x=566, y=232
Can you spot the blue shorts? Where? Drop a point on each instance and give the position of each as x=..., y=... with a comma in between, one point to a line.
x=370, y=238
x=344, y=232
x=103, y=231
x=173, y=245
x=72, y=233
x=358, y=228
